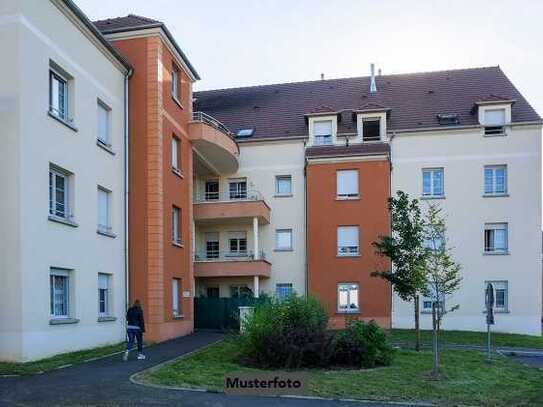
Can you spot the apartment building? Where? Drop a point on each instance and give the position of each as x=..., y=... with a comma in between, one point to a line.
x=62, y=246
x=466, y=139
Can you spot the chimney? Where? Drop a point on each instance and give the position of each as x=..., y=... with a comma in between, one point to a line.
x=379, y=72
x=373, y=86
x=322, y=76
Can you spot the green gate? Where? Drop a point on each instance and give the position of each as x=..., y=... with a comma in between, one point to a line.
x=220, y=313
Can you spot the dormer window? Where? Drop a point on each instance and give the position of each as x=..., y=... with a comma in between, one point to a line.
x=322, y=132
x=494, y=121
x=371, y=126
x=371, y=129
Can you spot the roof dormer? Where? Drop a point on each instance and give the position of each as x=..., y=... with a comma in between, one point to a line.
x=494, y=114
x=372, y=123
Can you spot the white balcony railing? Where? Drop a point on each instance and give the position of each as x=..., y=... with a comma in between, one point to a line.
x=236, y=195
x=219, y=256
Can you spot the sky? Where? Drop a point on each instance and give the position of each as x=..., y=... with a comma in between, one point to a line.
x=251, y=42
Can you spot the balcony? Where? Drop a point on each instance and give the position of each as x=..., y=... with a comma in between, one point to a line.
x=227, y=264
x=239, y=206
x=214, y=144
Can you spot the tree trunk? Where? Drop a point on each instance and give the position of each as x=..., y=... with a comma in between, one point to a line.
x=417, y=324
x=435, y=344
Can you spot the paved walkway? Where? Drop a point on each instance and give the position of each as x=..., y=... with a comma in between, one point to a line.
x=106, y=382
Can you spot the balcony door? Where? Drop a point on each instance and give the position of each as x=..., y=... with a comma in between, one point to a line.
x=237, y=244
x=212, y=190
x=212, y=245
x=237, y=188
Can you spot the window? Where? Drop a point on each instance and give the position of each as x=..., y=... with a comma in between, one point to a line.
x=371, y=129
x=104, y=222
x=176, y=143
x=347, y=241
x=58, y=95
x=245, y=133
x=213, y=292
x=59, y=193
x=347, y=184
x=501, y=295
x=212, y=190
x=495, y=179
x=237, y=242
x=283, y=239
x=103, y=294
x=59, y=292
x=494, y=120
x=212, y=245
x=432, y=182
x=283, y=290
x=434, y=238
x=175, y=82
x=496, y=238
x=176, y=236
x=176, y=310
x=238, y=188
x=240, y=291
x=103, y=124
x=322, y=132
x=283, y=185
x=347, y=297
x=427, y=301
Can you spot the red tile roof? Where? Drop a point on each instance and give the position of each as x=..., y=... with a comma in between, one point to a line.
x=414, y=100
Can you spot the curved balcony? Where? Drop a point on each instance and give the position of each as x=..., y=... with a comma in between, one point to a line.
x=214, y=144
x=227, y=264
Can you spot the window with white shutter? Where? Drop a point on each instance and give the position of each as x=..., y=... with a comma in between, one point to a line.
x=347, y=241
x=347, y=184
x=322, y=132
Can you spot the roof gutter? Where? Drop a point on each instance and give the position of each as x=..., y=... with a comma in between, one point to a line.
x=467, y=127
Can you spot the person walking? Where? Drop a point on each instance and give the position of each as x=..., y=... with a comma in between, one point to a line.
x=135, y=327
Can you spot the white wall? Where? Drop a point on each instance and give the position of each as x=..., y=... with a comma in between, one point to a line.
x=37, y=32
x=463, y=155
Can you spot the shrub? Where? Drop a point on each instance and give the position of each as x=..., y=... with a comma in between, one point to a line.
x=362, y=345
x=290, y=333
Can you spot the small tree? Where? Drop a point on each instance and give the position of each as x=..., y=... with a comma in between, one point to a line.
x=442, y=272
x=405, y=248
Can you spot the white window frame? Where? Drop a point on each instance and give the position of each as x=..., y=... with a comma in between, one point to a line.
x=493, y=169
x=103, y=139
x=279, y=232
x=323, y=139
x=349, y=288
x=502, y=285
x=176, y=300
x=64, y=274
x=361, y=117
x=238, y=237
x=354, y=194
x=283, y=290
x=494, y=129
x=214, y=239
x=432, y=171
x=348, y=250
x=239, y=193
x=104, y=228
x=175, y=82
x=278, y=180
x=176, y=218
x=322, y=118
x=107, y=298
x=175, y=146
x=493, y=227
x=62, y=112
x=55, y=172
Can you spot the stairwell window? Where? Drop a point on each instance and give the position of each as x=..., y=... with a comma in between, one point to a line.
x=104, y=211
x=175, y=83
x=103, y=124
x=175, y=146
x=59, y=293
x=432, y=182
x=494, y=122
x=496, y=238
x=347, y=184
x=283, y=185
x=103, y=295
x=495, y=179
x=283, y=239
x=347, y=298
x=176, y=303
x=347, y=241
x=176, y=221
x=322, y=132
x=59, y=193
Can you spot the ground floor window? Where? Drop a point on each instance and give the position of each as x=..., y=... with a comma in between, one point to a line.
x=176, y=285
x=241, y=291
x=283, y=290
x=59, y=292
x=501, y=295
x=347, y=294
x=213, y=292
x=103, y=294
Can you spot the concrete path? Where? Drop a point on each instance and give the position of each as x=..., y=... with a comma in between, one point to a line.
x=105, y=382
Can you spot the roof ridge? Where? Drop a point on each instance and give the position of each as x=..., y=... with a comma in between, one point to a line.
x=348, y=78
x=145, y=19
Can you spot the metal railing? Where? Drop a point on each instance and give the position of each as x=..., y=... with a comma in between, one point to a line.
x=207, y=119
x=238, y=195
x=216, y=255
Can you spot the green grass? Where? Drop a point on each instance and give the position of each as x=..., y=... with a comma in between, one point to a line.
x=43, y=365
x=468, y=378
x=468, y=338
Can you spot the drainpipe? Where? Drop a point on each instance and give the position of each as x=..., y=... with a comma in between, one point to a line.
x=306, y=265
x=126, y=189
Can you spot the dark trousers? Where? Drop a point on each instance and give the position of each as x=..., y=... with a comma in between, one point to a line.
x=134, y=334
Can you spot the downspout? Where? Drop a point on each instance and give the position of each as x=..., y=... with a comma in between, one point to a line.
x=306, y=227
x=126, y=190
x=392, y=136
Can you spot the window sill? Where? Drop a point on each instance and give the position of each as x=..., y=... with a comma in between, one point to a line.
x=506, y=253
x=177, y=101
x=347, y=256
x=283, y=250
x=425, y=197
x=357, y=312
x=106, y=319
x=495, y=195
x=63, y=321
x=495, y=135
x=105, y=147
x=106, y=233
x=283, y=195
x=64, y=221
x=178, y=244
x=348, y=198
x=177, y=172
x=504, y=311
x=178, y=316
x=61, y=120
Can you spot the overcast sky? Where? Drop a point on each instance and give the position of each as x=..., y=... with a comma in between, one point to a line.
x=244, y=42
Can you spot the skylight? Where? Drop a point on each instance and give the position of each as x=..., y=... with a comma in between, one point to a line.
x=245, y=132
x=448, y=119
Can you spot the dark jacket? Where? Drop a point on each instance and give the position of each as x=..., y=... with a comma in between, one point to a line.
x=134, y=316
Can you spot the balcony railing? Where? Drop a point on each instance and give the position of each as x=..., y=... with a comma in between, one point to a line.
x=211, y=121
x=237, y=195
x=216, y=255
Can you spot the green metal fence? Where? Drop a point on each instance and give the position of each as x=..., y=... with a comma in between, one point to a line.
x=221, y=313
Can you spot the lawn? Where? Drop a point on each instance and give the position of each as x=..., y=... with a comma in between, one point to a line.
x=63, y=359
x=407, y=336
x=469, y=379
